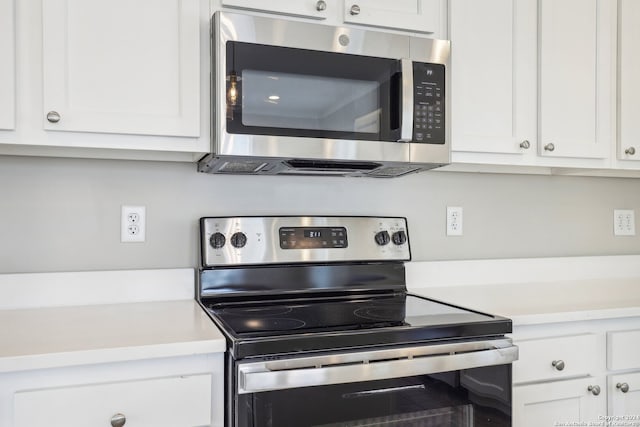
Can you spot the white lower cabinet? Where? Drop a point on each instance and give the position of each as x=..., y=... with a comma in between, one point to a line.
x=577, y=373
x=164, y=402
x=551, y=403
x=180, y=391
x=624, y=396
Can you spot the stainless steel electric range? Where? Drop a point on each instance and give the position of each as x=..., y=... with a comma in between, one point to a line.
x=321, y=330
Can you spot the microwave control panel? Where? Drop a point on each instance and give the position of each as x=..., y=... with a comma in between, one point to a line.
x=428, y=98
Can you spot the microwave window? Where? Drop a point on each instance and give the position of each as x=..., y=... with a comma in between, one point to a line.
x=295, y=101
x=282, y=91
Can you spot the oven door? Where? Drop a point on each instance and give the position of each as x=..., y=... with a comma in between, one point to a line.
x=463, y=384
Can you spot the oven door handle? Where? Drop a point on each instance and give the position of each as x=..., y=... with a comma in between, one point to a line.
x=258, y=377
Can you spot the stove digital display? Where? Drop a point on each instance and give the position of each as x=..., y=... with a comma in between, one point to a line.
x=313, y=237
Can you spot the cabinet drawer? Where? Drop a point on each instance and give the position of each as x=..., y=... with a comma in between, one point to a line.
x=573, y=356
x=164, y=402
x=623, y=348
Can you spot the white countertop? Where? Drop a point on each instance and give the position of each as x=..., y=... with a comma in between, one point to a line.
x=535, y=290
x=548, y=302
x=52, y=320
x=67, y=336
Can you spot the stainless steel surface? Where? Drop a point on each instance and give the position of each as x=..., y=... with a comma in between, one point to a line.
x=594, y=389
x=321, y=5
x=630, y=151
x=549, y=147
x=355, y=10
x=525, y=144
x=623, y=387
x=406, y=130
x=261, y=241
x=558, y=364
x=268, y=152
x=53, y=116
x=118, y=420
x=372, y=365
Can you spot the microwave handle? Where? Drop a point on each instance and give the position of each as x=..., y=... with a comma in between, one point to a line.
x=406, y=127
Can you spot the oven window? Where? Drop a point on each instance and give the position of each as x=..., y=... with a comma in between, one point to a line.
x=280, y=91
x=479, y=397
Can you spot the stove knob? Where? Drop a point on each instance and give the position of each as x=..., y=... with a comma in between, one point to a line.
x=399, y=237
x=238, y=240
x=382, y=238
x=217, y=240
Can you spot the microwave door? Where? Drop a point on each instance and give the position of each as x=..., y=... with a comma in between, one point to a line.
x=281, y=91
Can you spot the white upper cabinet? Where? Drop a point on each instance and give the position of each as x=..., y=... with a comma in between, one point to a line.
x=314, y=9
x=7, y=65
x=423, y=16
x=493, y=76
x=577, y=58
x=628, y=82
x=129, y=67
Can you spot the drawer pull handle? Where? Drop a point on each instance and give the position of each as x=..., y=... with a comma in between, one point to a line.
x=525, y=144
x=549, y=147
x=53, y=116
x=355, y=10
x=558, y=364
x=118, y=420
x=321, y=5
x=630, y=151
x=594, y=389
x=623, y=387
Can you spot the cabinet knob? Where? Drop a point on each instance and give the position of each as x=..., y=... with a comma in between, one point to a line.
x=594, y=389
x=53, y=116
x=558, y=364
x=623, y=387
x=549, y=147
x=321, y=5
x=525, y=144
x=630, y=151
x=118, y=420
x=355, y=10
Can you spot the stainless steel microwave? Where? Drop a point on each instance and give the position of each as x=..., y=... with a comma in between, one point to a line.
x=291, y=97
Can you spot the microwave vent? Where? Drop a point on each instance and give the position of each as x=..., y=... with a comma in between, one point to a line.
x=393, y=171
x=243, y=166
x=319, y=165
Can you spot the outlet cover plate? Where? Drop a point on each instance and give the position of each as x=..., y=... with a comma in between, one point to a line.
x=624, y=222
x=133, y=224
x=454, y=221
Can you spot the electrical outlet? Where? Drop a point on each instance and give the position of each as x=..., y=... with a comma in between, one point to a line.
x=133, y=223
x=624, y=222
x=454, y=221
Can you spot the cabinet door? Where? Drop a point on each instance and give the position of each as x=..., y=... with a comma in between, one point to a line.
x=7, y=65
x=628, y=83
x=122, y=66
x=493, y=76
x=424, y=16
x=624, y=396
x=549, y=404
x=165, y=402
x=315, y=9
x=576, y=57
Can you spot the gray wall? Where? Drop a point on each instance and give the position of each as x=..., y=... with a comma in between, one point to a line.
x=64, y=214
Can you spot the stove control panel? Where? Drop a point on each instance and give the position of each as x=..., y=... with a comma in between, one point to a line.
x=302, y=239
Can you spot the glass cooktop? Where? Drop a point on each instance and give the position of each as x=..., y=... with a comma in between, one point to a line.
x=337, y=323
